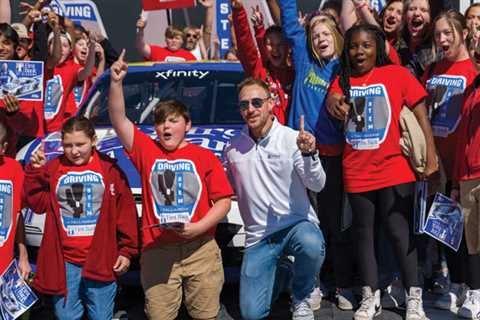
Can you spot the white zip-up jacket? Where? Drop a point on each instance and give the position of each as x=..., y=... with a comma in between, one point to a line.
x=270, y=178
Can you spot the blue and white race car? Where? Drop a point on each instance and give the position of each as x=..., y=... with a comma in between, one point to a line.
x=209, y=89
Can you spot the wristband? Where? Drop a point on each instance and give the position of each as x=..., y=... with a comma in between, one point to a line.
x=313, y=154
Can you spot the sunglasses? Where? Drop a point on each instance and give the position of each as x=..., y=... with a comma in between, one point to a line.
x=256, y=103
x=192, y=35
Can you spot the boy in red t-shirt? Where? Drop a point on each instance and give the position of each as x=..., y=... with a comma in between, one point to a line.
x=185, y=194
x=173, y=52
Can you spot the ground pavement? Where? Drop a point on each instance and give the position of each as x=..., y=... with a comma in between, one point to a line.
x=130, y=306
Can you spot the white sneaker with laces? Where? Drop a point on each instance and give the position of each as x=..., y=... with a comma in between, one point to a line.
x=471, y=307
x=370, y=305
x=302, y=310
x=315, y=299
x=415, y=305
x=453, y=298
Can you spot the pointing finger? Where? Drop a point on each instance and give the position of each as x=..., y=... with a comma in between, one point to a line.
x=122, y=56
x=302, y=124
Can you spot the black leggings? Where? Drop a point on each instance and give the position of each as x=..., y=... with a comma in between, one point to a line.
x=462, y=267
x=329, y=207
x=394, y=207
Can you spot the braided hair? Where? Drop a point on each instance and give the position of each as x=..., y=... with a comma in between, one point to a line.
x=346, y=69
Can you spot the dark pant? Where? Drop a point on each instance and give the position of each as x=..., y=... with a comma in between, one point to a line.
x=328, y=205
x=394, y=207
x=462, y=267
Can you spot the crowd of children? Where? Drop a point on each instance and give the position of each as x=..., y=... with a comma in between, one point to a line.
x=343, y=76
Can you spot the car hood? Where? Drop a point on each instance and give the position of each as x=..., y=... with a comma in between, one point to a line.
x=214, y=138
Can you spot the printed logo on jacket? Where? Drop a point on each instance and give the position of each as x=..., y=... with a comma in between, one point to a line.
x=6, y=205
x=445, y=97
x=53, y=97
x=176, y=189
x=369, y=118
x=80, y=196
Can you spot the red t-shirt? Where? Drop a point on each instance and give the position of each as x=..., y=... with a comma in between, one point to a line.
x=446, y=86
x=79, y=191
x=163, y=54
x=393, y=54
x=60, y=103
x=11, y=184
x=372, y=157
x=81, y=88
x=178, y=186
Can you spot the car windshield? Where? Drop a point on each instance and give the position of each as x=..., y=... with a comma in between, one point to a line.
x=211, y=99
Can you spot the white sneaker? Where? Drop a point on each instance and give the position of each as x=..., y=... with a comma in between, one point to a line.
x=453, y=298
x=315, y=299
x=302, y=310
x=346, y=299
x=415, y=305
x=393, y=296
x=370, y=305
x=471, y=307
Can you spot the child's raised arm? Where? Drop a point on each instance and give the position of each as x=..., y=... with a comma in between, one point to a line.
x=116, y=104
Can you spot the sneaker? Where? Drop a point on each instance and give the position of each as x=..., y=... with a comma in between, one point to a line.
x=471, y=307
x=453, y=298
x=370, y=305
x=302, y=311
x=393, y=296
x=441, y=284
x=346, y=299
x=415, y=305
x=315, y=299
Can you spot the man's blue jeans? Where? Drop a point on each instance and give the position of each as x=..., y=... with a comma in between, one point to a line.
x=97, y=296
x=305, y=242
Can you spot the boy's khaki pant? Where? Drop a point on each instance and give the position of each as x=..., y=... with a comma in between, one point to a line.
x=194, y=268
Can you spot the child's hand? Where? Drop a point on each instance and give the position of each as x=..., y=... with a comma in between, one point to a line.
x=25, y=268
x=11, y=104
x=207, y=3
x=141, y=24
x=119, y=69
x=188, y=230
x=38, y=159
x=121, y=265
x=257, y=17
x=236, y=4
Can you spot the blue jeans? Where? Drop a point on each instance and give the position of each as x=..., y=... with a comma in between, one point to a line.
x=97, y=296
x=305, y=242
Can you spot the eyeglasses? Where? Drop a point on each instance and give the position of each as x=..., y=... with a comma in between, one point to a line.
x=192, y=35
x=256, y=103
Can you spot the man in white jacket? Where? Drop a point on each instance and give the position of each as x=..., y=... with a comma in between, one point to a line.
x=271, y=166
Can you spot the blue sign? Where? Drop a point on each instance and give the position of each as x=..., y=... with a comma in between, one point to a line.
x=445, y=221
x=223, y=10
x=377, y=5
x=16, y=295
x=23, y=79
x=420, y=206
x=84, y=12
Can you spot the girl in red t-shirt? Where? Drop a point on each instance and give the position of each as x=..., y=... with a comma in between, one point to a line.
x=85, y=57
x=275, y=68
x=377, y=176
x=62, y=75
x=91, y=224
x=447, y=81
